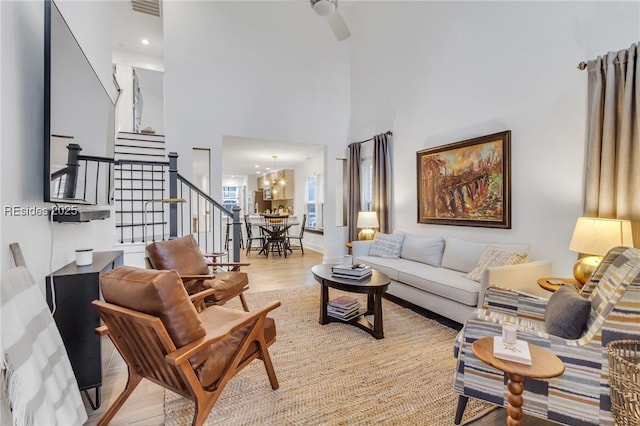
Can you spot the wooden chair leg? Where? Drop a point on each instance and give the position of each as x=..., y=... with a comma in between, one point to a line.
x=244, y=302
x=268, y=365
x=202, y=410
x=462, y=404
x=132, y=382
x=204, y=404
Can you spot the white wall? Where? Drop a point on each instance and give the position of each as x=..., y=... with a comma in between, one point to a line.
x=125, y=61
x=310, y=167
x=22, y=35
x=268, y=70
x=440, y=72
x=90, y=22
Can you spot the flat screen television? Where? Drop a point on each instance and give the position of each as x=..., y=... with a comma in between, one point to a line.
x=79, y=120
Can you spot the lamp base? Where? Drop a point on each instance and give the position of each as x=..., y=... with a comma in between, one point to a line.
x=366, y=234
x=585, y=267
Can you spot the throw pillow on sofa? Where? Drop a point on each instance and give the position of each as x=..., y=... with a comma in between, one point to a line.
x=423, y=249
x=495, y=256
x=386, y=245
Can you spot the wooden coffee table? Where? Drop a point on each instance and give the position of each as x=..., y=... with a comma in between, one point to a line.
x=544, y=365
x=373, y=286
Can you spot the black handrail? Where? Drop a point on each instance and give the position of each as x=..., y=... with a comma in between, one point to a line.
x=66, y=179
x=203, y=195
x=210, y=224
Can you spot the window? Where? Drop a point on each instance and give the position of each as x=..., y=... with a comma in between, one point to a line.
x=230, y=196
x=314, y=201
x=366, y=184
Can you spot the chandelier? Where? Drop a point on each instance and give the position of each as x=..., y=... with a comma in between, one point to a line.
x=274, y=178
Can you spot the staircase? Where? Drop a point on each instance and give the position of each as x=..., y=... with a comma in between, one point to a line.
x=140, y=176
x=154, y=202
x=139, y=147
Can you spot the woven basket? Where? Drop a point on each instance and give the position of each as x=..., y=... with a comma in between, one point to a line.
x=624, y=380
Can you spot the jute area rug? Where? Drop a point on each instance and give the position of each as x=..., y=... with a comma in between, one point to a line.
x=337, y=374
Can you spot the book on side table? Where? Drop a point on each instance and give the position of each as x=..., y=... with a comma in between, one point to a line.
x=516, y=352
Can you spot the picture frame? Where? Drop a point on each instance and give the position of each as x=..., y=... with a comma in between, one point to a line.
x=466, y=183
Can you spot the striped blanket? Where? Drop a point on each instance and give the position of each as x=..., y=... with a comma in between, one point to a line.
x=37, y=375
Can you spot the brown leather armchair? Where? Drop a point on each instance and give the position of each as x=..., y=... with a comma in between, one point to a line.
x=184, y=256
x=162, y=337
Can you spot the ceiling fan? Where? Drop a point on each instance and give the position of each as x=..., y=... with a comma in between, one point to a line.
x=327, y=9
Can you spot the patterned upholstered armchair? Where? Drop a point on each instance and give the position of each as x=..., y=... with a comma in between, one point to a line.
x=581, y=394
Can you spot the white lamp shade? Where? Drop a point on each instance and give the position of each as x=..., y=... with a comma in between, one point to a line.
x=596, y=236
x=367, y=220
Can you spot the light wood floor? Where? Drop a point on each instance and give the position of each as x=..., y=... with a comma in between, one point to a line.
x=146, y=405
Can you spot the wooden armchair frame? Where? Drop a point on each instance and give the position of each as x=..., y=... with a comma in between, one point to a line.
x=149, y=352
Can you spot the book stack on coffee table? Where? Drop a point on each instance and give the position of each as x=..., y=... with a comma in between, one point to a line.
x=343, y=308
x=356, y=272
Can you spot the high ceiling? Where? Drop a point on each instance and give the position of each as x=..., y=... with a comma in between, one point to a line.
x=131, y=27
x=240, y=156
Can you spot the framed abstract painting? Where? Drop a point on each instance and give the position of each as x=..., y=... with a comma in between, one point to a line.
x=466, y=183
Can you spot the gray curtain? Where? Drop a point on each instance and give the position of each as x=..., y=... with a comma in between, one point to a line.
x=613, y=138
x=382, y=180
x=354, y=190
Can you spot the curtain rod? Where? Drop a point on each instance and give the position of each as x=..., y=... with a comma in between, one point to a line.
x=388, y=133
x=583, y=65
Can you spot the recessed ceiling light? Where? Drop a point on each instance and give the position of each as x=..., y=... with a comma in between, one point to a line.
x=256, y=166
x=145, y=41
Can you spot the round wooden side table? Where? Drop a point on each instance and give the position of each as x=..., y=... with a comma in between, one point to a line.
x=544, y=365
x=552, y=283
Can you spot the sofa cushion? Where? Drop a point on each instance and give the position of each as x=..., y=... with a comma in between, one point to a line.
x=446, y=283
x=427, y=250
x=386, y=245
x=461, y=255
x=567, y=313
x=389, y=267
x=495, y=256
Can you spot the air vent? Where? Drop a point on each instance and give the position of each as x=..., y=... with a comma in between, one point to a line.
x=150, y=7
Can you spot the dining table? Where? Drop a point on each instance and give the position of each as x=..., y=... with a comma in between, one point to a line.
x=275, y=229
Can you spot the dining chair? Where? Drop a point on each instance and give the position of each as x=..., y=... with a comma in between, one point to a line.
x=297, y=246
x=228, y=234
x=275, y=234
x=251, y=238
x=162, y=337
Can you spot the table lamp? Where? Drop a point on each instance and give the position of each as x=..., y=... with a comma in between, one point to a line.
x=367, y=221
x=594, y=237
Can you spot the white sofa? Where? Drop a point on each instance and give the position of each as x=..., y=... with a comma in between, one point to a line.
x=431, y=273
